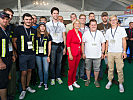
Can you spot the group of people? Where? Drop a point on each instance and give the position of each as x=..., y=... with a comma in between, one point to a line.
x=47, y=43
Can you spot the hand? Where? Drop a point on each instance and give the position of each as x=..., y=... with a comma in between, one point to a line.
x=106, y=55
x=64, y=51
x=131, y=39
x=2, y=66
x=48, y=59
x=102, y=56
x=13, y=58
x=84, y=57
x=124, y=55
x=70, y=57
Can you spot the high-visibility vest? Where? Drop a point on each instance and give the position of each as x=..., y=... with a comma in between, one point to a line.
x=22, y=42
x=44, y=47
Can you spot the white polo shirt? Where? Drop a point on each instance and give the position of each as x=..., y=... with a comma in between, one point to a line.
x=56, y=31
x=93, y=46
x=115, y=44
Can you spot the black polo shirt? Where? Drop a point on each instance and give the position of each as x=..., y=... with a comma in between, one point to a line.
x=10, y=28
x=129, y=32
x=23, y=36
x=4, y=44
x=42, y=42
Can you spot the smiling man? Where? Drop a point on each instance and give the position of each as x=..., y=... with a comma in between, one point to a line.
x=23, y=41
x=58, y=49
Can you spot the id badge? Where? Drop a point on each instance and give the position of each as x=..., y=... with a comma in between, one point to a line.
x=112, y=41
x=94, y=44
x=40, y=49
x=10, y=47
x=30, y=46
x=55, y=35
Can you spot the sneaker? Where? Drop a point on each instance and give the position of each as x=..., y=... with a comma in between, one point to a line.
x=121, y=88
x=97, y=84
x=83, y=78
x=22, y=95
x=76, y=85
x=70, y=88
x=45, y=87
x=40, y=85
x=87, y=83
x=30, y=90
x=52, y=81
x=59, y=80
x=108, y=85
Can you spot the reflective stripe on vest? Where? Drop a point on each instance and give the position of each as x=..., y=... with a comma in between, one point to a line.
x=22, y=43
x=33, y=42
x=3, y=48
x=44, y=49
x=36, y=46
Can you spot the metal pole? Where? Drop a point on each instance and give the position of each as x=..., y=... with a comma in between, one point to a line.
x=83, y=3
x=19, y=11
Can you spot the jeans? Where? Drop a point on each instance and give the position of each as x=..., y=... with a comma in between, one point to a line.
x=56, y=58
x=42, y=63
x=81, y=68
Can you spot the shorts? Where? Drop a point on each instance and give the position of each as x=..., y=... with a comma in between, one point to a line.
x=96, y=64
x=26, y=62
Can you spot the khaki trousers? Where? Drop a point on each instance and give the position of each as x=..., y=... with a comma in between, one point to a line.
x=117, y=58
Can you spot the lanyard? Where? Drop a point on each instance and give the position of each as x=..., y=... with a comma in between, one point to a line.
x=92, y=35
x=41, y=40
x=114, y=32
x=4, y=32
x=27, y=33
x=131, y=32
x=104, y=27
x=55, y=28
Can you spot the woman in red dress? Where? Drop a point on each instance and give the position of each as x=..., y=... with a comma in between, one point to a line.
x=74, y=40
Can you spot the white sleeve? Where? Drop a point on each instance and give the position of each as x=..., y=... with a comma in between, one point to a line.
x=102, y=38
x=64, y=29
x=124, y=34
x=107, y=35
x=83, y=37
x=47, y=28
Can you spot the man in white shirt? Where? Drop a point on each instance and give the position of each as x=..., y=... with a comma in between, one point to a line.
x=93, y=43
x=116, y=48
x=57, y=32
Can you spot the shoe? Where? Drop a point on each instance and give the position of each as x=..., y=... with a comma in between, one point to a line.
x=108, y=85
x=22, y=95
x=97, y=84
x=59, y=80
x=76, y=85
x=40, y=85
x=45, y=87
x=70, y=88
x=87, y=83
x=30, y=90
x=121, y=88
x=115, y=82
x=52, y=81
x=84, y=78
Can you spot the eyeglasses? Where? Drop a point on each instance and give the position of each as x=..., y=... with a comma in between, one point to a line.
x=82, y=18
x=113, y=20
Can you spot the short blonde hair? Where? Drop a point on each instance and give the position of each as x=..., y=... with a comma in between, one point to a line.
x=112, y=17
x=76, y=20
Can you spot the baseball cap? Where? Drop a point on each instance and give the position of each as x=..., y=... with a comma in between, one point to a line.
x=4, y=14
x=104, y=14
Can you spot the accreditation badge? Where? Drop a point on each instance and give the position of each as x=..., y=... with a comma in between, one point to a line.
x=30, y=46
x=94, y=44
x=10, y=47
x=112, y=41
x=41, y=49
x=55, y=35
